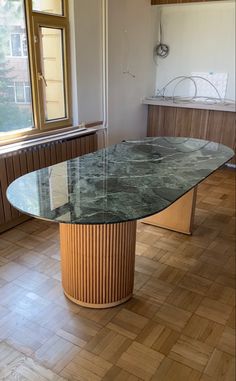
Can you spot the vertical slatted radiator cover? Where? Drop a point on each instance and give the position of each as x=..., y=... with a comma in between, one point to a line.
x=28, y=159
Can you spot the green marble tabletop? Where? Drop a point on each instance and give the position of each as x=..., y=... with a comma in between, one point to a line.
x=123, y=182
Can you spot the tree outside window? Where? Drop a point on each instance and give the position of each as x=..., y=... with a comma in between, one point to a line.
x=34, y=66
x=12, y=115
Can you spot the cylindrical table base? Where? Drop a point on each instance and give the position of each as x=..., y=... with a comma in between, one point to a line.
x=98, y=263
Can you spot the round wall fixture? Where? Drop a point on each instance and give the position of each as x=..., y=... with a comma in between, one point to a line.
x=162, y=50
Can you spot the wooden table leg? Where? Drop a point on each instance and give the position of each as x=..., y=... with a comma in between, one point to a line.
x=179, y=216
x=98, y=263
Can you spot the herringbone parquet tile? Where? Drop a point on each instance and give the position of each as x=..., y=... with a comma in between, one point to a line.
x=179, y=326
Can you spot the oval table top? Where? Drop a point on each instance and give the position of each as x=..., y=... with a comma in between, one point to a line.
x=123, y=182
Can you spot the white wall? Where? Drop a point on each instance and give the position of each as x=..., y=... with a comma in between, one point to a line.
x=201, y=39
x=86, y=46
x=132, y=31
x=131, y=36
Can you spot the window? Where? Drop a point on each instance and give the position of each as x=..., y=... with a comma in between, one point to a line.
x=15, y=45
x=18, y=45
x=52, y=70
x=19, y=92
x=49, y=6
x=34, y=66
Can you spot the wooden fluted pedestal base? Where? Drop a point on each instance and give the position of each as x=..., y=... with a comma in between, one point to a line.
x=98, y=263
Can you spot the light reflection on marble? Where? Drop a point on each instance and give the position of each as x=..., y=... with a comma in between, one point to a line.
x=127, y=181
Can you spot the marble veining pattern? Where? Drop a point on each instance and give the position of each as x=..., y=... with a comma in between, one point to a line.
x=123, y=182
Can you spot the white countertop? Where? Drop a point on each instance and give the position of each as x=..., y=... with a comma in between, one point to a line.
x=158, y=101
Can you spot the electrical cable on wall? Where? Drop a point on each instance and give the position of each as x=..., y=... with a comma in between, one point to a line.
x=175, y=99
x=161, y=50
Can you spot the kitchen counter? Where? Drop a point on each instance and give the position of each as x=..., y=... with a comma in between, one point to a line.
x=196, y=120
x=158, y=101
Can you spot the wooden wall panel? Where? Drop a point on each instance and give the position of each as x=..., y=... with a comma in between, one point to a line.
x=199, y=123
x=168, y=121
x=217, y=126
x=26, y=160
x=23, y=164
x=4, y=183
x=183, y=122
x=1, y=207
x=228, y=131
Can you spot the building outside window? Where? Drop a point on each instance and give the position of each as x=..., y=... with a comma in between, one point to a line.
x=19, y=92
x=34, y=66
x=18, y=45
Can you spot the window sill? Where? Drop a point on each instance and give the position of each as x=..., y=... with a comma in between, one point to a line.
x=47, y=137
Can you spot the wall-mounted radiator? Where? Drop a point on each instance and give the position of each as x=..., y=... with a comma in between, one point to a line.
x=23, y=160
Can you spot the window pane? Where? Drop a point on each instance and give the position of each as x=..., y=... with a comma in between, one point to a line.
x=52, y=66
x=48, y=6
x=11, y=94
x=20, y=98
x=14, y=68
x=27, y=93
x=24, y=46
x=15, y=45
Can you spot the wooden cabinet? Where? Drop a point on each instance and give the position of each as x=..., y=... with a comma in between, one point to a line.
x=217, y=126
x=160, y=2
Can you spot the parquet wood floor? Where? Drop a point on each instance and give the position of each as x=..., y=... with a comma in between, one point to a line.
x=179, y=326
